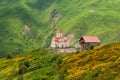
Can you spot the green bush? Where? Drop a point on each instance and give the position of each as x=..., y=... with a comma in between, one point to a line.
x=22, y=68
x=20, y=77
x=34, y=66
x=91, y=47
x=9, y=56
x=26, y=63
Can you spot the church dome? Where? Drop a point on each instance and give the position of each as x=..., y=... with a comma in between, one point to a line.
x=59, y=31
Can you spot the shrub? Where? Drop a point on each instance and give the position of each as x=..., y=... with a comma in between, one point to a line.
x=77, y=50
x=91, y=47
x=34, y=67
x=26, y=63
x=20, y=77
x=59, y=60
x=22, y=68
x=9, y=56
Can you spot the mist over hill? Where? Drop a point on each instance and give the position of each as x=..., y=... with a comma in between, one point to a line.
x=26, y=25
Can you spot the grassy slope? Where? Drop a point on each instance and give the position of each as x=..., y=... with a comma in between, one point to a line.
x=78, y=17
x=38, y=65
x=103, y=22
x=102, y=63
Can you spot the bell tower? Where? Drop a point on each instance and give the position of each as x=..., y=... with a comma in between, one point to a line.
x=59, y=33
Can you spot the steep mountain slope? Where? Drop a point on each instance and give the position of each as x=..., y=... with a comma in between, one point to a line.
x=102, y=63
x=29, y=24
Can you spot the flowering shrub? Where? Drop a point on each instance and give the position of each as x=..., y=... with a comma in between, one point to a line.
x=5, y=60
x=102, y=62
x=19, y=59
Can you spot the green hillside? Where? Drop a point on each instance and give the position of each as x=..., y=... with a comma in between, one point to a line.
x=101, y=63
x=36, y=65
x=43, y=17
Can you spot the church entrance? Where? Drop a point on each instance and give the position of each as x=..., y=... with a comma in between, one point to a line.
x=62, y=46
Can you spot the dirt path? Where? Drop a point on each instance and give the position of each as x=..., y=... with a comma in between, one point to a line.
x=69, y=50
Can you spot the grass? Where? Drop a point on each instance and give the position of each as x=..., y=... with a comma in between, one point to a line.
x=79, y=17
x=103, y=62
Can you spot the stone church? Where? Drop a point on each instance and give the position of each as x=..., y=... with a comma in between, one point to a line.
x=59, y=41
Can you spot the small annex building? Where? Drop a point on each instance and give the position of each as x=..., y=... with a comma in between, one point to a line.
x=87, y=41
x=59, y=41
